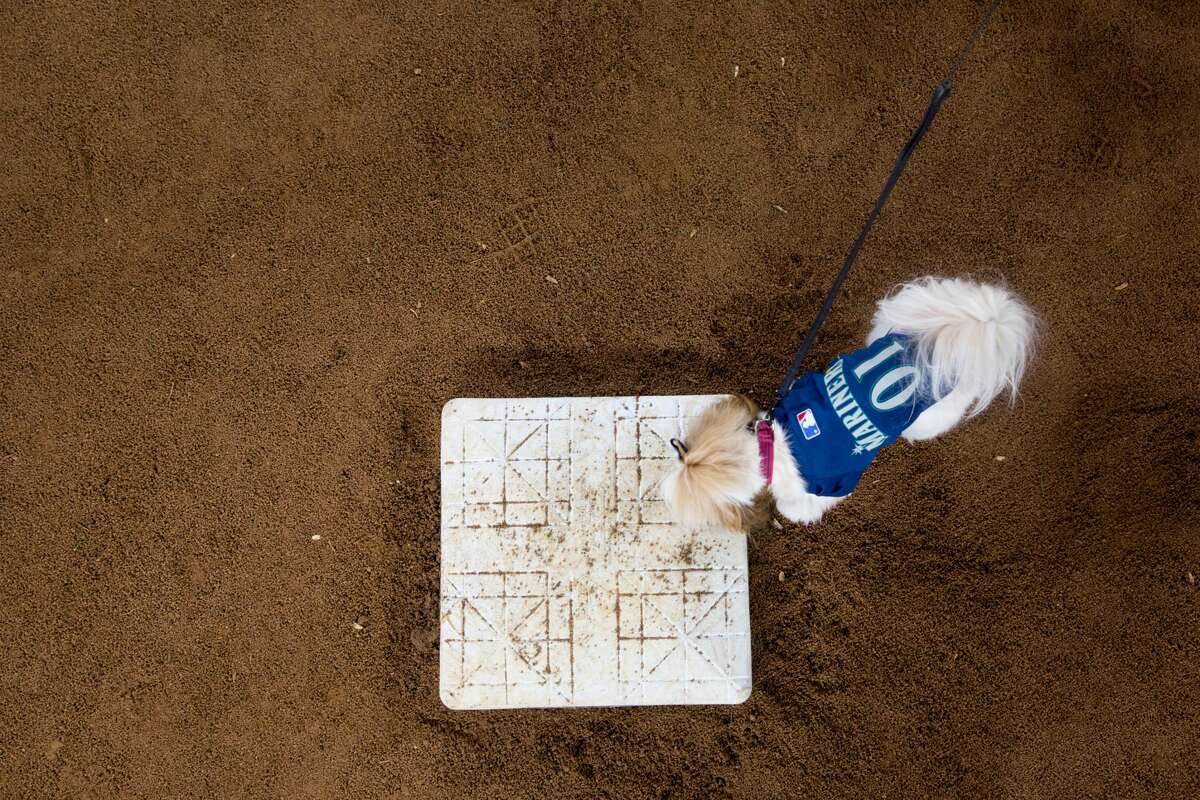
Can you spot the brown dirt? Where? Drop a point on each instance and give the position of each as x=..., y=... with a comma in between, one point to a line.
x=240, y=275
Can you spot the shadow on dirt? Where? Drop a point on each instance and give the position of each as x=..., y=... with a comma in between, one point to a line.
x=756, y=337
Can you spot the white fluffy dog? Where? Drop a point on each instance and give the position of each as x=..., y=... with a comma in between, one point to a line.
x=939, y=350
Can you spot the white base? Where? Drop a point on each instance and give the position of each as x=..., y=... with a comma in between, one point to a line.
x=564, y=582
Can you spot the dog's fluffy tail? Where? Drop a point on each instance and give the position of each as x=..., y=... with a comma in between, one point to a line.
x=718, y=477
x=973, y=337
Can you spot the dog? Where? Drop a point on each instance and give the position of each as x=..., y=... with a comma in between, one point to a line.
x=939, y=351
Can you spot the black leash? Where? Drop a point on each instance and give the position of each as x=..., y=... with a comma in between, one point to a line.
x=935, y=103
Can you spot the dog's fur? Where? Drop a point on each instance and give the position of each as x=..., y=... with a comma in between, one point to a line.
x=973, y=342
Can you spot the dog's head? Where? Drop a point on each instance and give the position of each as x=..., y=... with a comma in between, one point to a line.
x=717, y=480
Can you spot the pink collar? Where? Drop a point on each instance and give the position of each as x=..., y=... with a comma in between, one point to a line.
x=766, y=448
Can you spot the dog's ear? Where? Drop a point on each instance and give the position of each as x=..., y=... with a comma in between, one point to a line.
x=750, y=519
x=757, y=517
x=751, y=407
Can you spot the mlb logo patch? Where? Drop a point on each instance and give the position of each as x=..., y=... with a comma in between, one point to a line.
x=808, y=424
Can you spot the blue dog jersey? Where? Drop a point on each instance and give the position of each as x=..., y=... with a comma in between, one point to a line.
x=837, y=421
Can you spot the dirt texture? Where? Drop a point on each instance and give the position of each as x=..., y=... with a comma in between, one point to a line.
x=249, y=250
